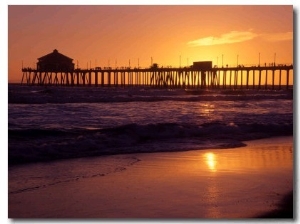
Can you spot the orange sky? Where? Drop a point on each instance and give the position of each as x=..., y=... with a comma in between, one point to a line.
x=171, y=35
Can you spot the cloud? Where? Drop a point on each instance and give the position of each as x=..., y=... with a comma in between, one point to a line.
x=277, y=36
x=226, y=38
x=239, y=36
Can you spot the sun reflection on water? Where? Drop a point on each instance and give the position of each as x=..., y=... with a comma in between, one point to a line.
x=211, y=161
x=208, y=108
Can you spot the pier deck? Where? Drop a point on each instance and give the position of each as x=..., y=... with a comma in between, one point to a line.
x=261, y=77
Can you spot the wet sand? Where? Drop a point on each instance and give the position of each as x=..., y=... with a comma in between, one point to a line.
x=285, y=209
x=247, y=182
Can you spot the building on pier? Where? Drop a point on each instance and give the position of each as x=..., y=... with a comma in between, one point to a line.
x=202, y=65
x=55, y=62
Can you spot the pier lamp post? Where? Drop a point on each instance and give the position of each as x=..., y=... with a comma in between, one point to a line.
x=222, y=60
x=274, y=58
x=237, y=60
x=258, y=59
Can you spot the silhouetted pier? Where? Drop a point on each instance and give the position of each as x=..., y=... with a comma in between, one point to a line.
x=252, y=77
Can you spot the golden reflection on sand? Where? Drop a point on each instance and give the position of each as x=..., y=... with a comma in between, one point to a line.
x=211, y=161
x=246, y=160
x=212, y=183
x=213, y=200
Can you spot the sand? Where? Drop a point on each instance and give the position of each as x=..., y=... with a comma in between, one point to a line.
x=247, y=182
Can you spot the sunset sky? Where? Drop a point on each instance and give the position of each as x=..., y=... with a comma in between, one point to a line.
x=171, y=35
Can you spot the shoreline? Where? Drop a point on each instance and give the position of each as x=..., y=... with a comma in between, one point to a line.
x=24, y=162
x=203, y=184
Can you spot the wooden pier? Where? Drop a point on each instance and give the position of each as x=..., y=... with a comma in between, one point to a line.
x=254, y=77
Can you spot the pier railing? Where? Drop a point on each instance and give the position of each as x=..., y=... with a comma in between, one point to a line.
x=267, y=77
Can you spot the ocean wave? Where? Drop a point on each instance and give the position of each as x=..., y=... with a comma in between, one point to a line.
x=34, y=145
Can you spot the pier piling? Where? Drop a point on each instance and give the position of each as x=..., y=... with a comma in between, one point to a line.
x=187, y=77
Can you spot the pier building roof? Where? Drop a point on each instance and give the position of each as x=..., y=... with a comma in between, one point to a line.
x=55, y=55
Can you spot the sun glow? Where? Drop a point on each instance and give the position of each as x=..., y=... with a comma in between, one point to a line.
x=136, y=36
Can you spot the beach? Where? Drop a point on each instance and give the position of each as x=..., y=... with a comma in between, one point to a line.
x=159, y=112
x=233, y=183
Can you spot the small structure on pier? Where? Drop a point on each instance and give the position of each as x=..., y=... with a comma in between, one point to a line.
x=202, y=65
x=55, y=62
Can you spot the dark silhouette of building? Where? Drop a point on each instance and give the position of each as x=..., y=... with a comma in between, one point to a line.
x=55, y=62
x=202, y=65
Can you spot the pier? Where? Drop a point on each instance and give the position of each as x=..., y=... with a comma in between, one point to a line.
x=58, y=69
x=252, y=77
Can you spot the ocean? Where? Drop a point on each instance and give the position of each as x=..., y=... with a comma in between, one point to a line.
x=70, y=136
x=48, y=123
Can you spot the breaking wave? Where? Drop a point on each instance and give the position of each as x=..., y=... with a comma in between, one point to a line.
x=33, y=145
